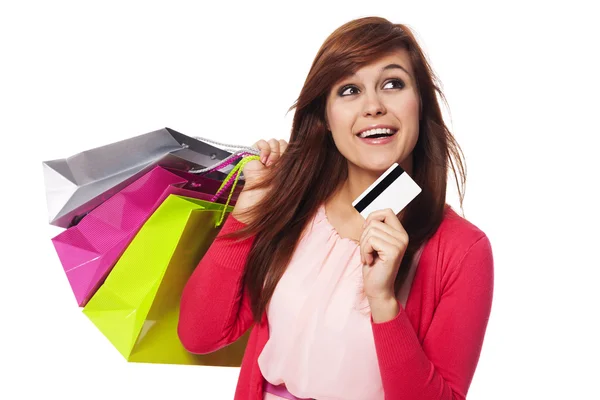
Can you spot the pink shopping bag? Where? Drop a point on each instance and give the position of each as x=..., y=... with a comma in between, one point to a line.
x=90, y=249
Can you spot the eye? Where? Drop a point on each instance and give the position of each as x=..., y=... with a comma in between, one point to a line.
x=399, y=82
x=342, y=90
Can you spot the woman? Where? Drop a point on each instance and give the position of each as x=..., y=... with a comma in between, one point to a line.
x=393, y=307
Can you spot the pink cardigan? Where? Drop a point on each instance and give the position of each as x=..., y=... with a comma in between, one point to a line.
x=429, y=351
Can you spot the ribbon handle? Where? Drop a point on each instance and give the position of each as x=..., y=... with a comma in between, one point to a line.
x=230, y=181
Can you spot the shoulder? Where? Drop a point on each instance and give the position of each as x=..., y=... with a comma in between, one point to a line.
x=460, y=247
x=457, y=231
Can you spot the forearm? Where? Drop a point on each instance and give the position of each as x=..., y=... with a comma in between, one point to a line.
x=246, y=199
x=383, y=310
x=214, y=308
x=406, y=371
x=399, y=352
x=439, y=363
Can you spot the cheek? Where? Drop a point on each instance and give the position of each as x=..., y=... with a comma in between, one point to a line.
x=409, y=109
x=340, y=119
x=411, y=119
x=341, y=134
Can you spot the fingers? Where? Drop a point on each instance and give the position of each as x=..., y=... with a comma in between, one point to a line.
x=377, y=240
x=369, y=247
x=386, y=216
x=264, y=148
x=382, y=231
x=274, y=152
x=271, y=150
x=375, y=227
x=282, y=146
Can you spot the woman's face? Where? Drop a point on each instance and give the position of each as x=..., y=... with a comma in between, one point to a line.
x=380, y=93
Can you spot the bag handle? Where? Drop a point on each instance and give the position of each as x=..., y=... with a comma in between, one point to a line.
x=231, y=146
x=223, y=163
x=245, y=153
x=241, y=151
x=229, y=181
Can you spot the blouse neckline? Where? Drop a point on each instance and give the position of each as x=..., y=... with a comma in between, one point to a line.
x=323, y=214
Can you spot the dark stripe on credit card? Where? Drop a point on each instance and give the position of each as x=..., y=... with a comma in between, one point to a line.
x=377, y=190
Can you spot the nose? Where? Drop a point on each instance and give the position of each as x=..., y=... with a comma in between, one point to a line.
x=373, y=106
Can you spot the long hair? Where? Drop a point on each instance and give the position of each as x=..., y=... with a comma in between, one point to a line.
x=312, y=168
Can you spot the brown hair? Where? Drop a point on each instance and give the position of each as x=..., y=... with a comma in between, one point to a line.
x=311, y=168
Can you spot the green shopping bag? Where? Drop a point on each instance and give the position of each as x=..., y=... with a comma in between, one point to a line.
x=137, y=307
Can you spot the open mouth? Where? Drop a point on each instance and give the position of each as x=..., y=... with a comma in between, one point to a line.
x=377, y=133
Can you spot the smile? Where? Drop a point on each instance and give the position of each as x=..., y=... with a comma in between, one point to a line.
x=378, y=138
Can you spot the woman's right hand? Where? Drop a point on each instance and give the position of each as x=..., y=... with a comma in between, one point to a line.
x=254, y=170
x=270, y=151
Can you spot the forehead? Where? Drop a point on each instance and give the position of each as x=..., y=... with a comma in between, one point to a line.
x=399, y=57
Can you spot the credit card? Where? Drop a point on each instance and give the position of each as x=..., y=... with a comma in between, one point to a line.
x=393, y=189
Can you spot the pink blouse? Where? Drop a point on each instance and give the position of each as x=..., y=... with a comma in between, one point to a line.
x=320, y=338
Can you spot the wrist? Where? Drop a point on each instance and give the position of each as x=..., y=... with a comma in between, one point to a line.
x=384, y=308
x=245, y=201
x=384, y=297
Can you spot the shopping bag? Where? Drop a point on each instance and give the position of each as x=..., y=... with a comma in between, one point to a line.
x=137, y=307
x=77, y=184
x=89, y=250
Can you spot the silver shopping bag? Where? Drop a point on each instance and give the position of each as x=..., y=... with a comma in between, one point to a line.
x=77, y=184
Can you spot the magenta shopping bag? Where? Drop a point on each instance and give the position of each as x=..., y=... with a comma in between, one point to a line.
x=90, y=249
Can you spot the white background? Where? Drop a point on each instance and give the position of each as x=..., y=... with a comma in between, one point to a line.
x=522, y=85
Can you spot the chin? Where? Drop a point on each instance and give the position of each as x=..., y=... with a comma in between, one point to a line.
x=377, y=167
x=379, y=163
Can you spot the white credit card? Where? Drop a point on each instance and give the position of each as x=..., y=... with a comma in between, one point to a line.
x=393, y=189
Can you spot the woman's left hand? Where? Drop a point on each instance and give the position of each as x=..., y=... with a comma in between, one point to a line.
x=382, y=246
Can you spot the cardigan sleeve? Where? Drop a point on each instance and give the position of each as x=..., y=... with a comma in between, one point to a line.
x=443, y=366
x=215, y=309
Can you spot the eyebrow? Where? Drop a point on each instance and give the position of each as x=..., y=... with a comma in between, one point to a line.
x=395, y=66
x=390, y=66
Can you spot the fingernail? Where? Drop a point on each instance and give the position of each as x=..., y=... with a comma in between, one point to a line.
x=269, y=163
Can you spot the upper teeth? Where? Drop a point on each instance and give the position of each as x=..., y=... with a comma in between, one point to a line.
x=379, y=131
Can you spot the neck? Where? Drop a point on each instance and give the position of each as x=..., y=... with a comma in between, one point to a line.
x=359, y=180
